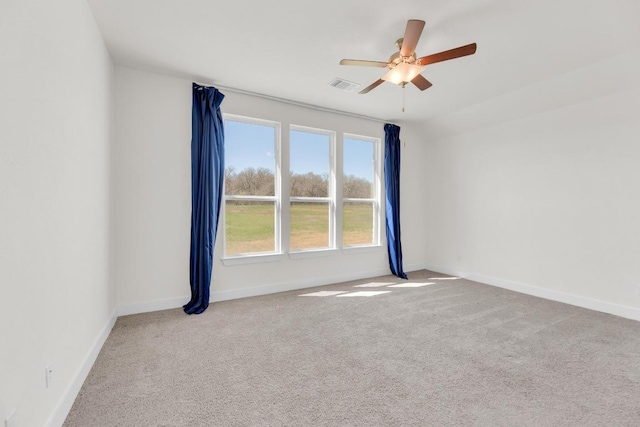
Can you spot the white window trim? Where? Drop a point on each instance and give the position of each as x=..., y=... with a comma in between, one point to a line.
x=276, y=254
x=331, y=191
x=253, y=198
x=282, y=199
x=377, y=191
x=310, y=199
x=252, y=258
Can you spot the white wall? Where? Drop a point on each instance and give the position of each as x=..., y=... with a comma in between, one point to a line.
x=55, y=120
x=153, y=198
x=545, y=193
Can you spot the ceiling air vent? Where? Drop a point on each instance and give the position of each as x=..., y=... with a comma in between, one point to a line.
x=345, y=85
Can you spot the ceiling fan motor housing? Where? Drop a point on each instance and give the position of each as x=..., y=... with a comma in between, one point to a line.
x=397, y=58
x=404, y=66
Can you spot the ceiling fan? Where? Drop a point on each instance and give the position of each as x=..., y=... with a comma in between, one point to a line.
x=404, y=66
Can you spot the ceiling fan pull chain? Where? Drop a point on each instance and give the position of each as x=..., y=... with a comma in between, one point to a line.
x=404, y=85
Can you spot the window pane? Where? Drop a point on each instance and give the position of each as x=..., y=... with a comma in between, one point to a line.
x=250, y=227
x=250, y=162
x=359, y=162
x=309, y=163
x=309, y=225
x=357, y=224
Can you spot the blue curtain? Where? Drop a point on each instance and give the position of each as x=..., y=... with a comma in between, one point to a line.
x=392, y=184
x=207, y=178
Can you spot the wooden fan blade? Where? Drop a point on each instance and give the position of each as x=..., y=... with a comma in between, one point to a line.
x=411, y=37
x=371, y=86
x=363, y=63
x=421, y=82
x=458, y=52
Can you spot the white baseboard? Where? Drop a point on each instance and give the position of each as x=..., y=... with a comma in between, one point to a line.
x=71, y=392
x=300, y=284
x=217, y=296
x=579, y=301
x=155, y=305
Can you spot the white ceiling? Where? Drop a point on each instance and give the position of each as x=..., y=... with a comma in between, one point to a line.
x=290, y=49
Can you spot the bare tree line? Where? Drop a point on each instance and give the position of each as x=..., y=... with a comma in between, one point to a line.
x=261, y=182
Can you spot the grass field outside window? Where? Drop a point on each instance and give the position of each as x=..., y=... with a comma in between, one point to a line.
x=250, y=226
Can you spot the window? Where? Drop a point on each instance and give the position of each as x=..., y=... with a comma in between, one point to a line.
x=261, y=217
x=359, y=191
x=311, y=188
x=251, y=209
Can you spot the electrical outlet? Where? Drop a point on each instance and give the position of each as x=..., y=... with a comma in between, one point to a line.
x=48, y=375
x=12, y=420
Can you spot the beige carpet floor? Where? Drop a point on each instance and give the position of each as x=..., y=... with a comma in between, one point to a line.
x=453, y=352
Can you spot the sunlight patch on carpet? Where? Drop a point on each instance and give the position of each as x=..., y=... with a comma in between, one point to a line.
x=364, y=294
x=374, y=284
x=411, y=285
x=323, y=294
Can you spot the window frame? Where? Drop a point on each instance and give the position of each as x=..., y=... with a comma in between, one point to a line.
x=282, y=198
x=376, y=200
x=276, y=198
x=331, y=191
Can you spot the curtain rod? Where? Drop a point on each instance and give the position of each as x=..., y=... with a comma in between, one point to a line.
x=296, y=103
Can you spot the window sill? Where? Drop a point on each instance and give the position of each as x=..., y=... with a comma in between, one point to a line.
x=252, y=259
x=313, y=253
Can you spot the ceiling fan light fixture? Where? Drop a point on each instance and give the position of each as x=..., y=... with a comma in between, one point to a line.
x=404, y=65
x=403, y=73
